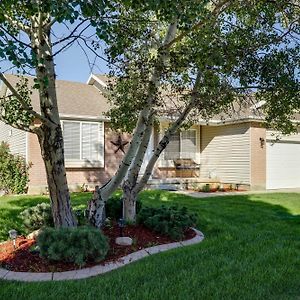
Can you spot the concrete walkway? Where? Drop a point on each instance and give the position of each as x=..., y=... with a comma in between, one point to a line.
x=99, y=269
x=235, y=193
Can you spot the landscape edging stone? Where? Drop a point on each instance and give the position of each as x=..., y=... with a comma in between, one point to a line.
x=98, y=269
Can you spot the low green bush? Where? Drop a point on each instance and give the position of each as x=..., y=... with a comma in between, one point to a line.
x=206, y=188
x=114, y=207
x=13, y=171
x=171, y=221
x=75, y=245
x=37, y=216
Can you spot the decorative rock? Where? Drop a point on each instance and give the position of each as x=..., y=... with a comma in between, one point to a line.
x=124, y=241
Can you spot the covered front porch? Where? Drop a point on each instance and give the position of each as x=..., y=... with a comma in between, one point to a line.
x=181, y=183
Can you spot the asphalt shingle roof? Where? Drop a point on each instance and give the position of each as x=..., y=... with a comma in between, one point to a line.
x=74, y=98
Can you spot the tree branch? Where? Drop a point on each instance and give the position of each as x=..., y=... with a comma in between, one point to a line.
x=72, y=33
x=214, y=15
x=31, y=128
x=166, y=138
x=50, y=24
x=136, y=165
x=16, y=23
x=75, y=37
x=25, y=106
x=139, y=131
x=13, y=37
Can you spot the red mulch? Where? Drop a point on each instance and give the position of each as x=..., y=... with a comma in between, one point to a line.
x=23, y=260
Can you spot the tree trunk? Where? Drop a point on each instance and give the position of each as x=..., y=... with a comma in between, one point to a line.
x=129, y=203
x=106, y=190
x=96, y=209
x=129, y=208
x=50, y=132
x=51, y=143
x=166, y=138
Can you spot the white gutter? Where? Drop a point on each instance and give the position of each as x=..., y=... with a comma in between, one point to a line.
x=84, y=117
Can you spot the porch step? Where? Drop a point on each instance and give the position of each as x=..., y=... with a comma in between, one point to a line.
x=177, y=183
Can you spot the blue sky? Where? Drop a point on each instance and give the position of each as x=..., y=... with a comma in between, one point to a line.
x=71, y=64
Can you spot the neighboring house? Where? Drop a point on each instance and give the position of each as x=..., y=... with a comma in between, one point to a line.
x=228, y=150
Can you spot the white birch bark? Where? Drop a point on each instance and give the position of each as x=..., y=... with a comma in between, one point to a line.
x=166, y=138
x=50, y=133
x=154, y=82
x=129, y=196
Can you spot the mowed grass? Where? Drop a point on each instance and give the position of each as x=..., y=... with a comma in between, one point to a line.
x=11, y=206
x=251, y=251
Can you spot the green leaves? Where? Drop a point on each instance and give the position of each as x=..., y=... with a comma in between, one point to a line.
x=12, y=111
x=13, y=171
x=250, y=48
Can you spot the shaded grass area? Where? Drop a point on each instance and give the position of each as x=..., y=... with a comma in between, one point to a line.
x=251, y=251
x=11, y=206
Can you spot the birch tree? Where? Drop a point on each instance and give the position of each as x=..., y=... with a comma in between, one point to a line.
x=204, y=52
x=219, y=53
x=154, y=72
x=26, y=33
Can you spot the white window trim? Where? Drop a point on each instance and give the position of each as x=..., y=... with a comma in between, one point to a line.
x=82, y=163
x=169, y=163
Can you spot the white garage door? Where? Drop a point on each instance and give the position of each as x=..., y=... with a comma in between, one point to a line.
x=283, y=165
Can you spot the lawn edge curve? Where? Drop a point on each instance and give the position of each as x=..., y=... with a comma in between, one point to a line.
x=98, y=269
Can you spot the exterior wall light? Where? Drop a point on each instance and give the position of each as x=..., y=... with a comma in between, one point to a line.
x=262, y=142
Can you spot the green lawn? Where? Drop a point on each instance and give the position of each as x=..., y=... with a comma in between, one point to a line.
x=251, y=251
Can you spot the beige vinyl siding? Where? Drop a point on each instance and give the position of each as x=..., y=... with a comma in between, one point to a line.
x=15, y=138
x=225, y=153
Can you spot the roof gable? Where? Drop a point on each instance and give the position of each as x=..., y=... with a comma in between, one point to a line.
x=74, y=98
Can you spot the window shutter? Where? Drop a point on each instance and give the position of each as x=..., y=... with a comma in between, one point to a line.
x=71, y=134
x=90, y=141
x=189, y=144
x=172, y=151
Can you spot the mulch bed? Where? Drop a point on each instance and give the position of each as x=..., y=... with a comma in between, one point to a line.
x=23, y=260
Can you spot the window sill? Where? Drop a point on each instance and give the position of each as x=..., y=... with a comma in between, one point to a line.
x=83, y=164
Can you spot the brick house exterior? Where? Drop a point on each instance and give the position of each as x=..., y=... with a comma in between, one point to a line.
x=231, y=152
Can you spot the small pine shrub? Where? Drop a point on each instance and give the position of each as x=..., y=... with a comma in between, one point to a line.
x=74, y=245
x=171, y=221
x=37, y=216
x=114, y=207
x=13, y=171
